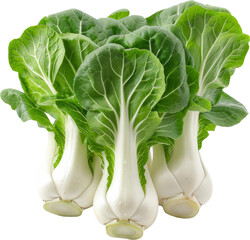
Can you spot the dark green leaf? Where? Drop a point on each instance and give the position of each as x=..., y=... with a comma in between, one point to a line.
x=226, y=112
x=133, y=22
x=169, y=50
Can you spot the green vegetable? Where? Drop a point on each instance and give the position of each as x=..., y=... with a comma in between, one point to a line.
x=47, y=63
x=127, y=102
x=120, y=88
x=217, y=45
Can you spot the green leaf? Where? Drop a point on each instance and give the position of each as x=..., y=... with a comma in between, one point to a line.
x=109, y=27
x=25, y=109
x=78, y=22
x=94, y=147
x=172, y=14
x=90, y=156
x=200, y=104
x=204, y=127
x=59, y=131
x=121, y=13
x=169, y=129
x=51, y=100
x=73, y=21
x=176, y=31
x=193, y=81
x=77, y=47
x=155, y=19
x=133, y=22
x=217, y=45
x=226, y=112
x=169, y=50
x=77, y=114
x=119, y=88
x=168, y=150
x=36, y=56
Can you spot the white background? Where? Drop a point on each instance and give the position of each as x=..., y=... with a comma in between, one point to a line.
x=22, y=146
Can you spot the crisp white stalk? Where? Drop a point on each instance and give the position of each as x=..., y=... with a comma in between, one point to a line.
x=47, y=190
x=204, y=192
x=185, y=163
x=164, y=181
x=147, y=211
x=183, y=183
x=101, y=207
x=150, y=159
x=72, y=176
x=85, y=200
x=124, y=208
x=132, y=227
x=125, y=193
x=69, y=187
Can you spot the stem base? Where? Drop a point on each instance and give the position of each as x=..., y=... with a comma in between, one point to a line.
x=124, y=229
x=181, y=206
x=63, y=208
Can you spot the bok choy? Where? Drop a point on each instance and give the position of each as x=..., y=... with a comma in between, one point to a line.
x=127, y=102
x=217, y=45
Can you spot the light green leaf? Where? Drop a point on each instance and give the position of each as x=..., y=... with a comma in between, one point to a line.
x=51, y=100
x=121, y=13
x=25, y=109
x=226, y=112
x=172, y=14
x=169, y=50
x=204, y=127
x=77, y=114
x=59, y=131
x=200, y=104
x=77, y=47
x=217, y=45
x=36, y=56
x=119, y=88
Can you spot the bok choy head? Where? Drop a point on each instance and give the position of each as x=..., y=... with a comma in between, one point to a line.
x=47, y=63
x=120, y=88
x=215, y=41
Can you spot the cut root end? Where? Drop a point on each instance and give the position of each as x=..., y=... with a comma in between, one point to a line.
x=181, y=207
x=63, y=208
x=124, y=229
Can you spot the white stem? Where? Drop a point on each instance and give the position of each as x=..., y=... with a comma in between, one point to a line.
x=185, y=163
x=85, y=200
x=72, y=176
x=150, y=159
x=47, y=190
x=125, y=193
x=146, y=213
x=124, y=208
x=101, y=207
x=204, y=192
x=164, y=181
